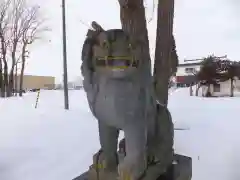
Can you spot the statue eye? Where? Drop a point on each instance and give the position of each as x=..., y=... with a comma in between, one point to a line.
x=105, y=44
x=131, y=46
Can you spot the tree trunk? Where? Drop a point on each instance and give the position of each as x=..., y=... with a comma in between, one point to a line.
x=132, y=15
x=174, y=58
x=162, y=63
x=197, y=89
x=232, y=88
x=22, y=70
x=1, y=80
x=191, y=89
x=11, y=75
x=4, y=64
x=5, y=80
x=10, y=84
x=16, y=80
x=209, y=94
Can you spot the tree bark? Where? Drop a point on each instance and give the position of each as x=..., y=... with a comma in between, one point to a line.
x=174, y=58
x=197, y=89
x=11, y=75
x=191, y=89
x=5, y=79
x=2, y=85
x=162, y=63
x=4, y=63
x=16, y=80
x=1, y=80
x=22, y=69
x=132, y=16
x=232, y=88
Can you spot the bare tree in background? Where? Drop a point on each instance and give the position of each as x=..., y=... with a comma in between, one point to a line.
x=18, y=10
x=4, y=44
x=17, y=68
x=33, y=29
x=20, y=25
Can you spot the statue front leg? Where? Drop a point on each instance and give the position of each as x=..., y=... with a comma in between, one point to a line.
x=135, y=162
x=109, y=140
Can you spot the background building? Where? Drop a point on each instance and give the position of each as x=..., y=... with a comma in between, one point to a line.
x=185, y=75
x=36, y=82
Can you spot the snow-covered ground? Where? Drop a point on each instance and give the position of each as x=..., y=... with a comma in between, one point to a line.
x=49, y=143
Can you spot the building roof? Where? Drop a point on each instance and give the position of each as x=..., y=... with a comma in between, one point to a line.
x=189, y=64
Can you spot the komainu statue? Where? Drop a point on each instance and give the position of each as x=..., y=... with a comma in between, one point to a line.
x=120, y=100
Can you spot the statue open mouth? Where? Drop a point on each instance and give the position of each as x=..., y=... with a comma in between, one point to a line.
x=116, y=63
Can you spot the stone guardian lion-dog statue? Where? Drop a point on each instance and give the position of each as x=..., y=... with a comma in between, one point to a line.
x=120, y=100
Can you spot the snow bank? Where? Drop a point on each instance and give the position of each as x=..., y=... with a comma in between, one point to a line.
x=47, y=143
x=212, y=141
x=50, y=143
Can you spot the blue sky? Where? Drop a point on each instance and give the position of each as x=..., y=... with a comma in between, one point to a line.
x=200, y=27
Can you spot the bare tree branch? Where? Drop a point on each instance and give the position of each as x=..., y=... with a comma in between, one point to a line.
x=153, y=11
x=20, y=26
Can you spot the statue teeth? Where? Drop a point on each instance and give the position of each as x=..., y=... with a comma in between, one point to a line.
x=117, y=70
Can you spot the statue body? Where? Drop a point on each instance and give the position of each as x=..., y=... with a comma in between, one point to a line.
x=120, y=100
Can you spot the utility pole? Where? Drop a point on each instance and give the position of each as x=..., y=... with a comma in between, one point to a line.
x=65, y=76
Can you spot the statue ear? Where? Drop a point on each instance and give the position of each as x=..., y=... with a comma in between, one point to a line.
x=97, y=27
x=91, y=34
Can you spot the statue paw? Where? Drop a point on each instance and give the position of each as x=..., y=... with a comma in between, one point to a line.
x=124, y=173
x=128, y=170
x=101, y=169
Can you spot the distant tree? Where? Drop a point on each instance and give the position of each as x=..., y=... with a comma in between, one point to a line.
x=20, y=25
x=4, y=44
x=33, y=29
x=215, y=69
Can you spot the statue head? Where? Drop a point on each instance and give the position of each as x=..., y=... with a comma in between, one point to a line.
x=112, y=52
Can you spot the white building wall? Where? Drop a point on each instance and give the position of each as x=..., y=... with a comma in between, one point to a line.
x=181, y=71
x=225, y=88
x=236, y=84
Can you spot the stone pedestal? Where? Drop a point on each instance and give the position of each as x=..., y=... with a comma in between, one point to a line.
x=181, y=169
